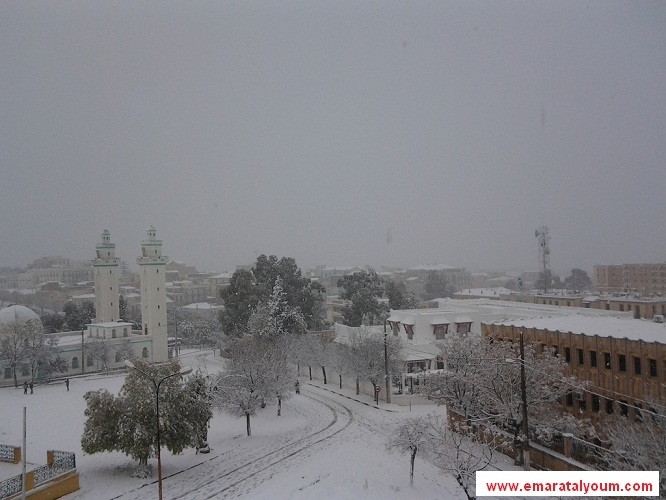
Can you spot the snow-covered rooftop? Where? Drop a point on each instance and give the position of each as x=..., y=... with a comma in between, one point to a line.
x=491, y=292
x=632, y=329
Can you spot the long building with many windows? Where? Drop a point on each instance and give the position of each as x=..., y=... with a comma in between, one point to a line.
x=623, y=360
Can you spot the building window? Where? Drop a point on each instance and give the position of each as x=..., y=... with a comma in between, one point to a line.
x=118, y=358
x=8, y=372
x=144, y=352
x=113, y=333
x=622, y=362
x=582, y=406
x=638, y=412
x=609, y=406
x=569, y=399
x=607, y=360
x=463, y=328
x=125, y=332
x=440, y=331
x=567, y=354
x=90, y=361
x=75, y=362
x=652, y=363
x=596, y=403
x=593, y=359
x=624, y=408
x=581, y=359
x=409, y=330
x=637, y=366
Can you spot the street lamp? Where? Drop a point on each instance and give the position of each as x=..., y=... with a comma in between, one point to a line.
x=523, y=391
x=183, y=371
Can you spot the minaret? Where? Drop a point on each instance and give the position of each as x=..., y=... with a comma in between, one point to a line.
x=105, y=268
x=152, y=268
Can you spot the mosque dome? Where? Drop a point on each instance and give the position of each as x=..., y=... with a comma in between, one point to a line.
x=14, y=313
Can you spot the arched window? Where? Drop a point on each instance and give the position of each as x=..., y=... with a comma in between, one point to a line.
x=144, y=352
x=75, y=362
x=118, y=358
x=125, y=332
x=113, y=333
x=90, y=361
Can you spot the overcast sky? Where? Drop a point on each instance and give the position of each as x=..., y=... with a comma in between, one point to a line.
x=337, y=133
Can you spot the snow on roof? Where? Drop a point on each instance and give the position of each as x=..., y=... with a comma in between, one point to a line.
x=440, y=320
x=420, y=351
x=632, y=329
x=84, y=296
x=18, y=313
x=463, y=319
x=111, y=324
x=394, y=318
x=408, y=321
x=222, y=275
x=201, y=305
x=432, y=267
x=491, y=292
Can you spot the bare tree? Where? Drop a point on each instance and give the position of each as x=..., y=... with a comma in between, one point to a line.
x=458, y=452
x=98, y=350
x=124, y=350
x=245, y=386
x=482, y=382
x=13, y=347
x=367, y=356
x=639, y=444
x=412, y=434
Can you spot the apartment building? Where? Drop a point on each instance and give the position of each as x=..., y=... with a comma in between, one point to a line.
x=641, y=278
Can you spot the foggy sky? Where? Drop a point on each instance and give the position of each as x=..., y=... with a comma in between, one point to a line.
x=338, y=133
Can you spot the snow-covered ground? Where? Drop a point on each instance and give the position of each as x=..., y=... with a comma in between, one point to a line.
x=325, y=445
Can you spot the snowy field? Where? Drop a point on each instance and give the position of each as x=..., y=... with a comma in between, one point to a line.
x=324, y=446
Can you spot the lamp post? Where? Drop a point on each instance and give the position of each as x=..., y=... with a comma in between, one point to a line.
x=183, y=371
x=386, y=368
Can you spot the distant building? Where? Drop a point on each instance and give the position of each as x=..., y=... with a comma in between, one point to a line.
x=641, y=278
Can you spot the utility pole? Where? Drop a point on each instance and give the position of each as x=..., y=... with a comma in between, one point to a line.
x=523, y=389
x=386, y=368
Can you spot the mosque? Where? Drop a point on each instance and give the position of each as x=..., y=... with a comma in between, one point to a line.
x=149, y=343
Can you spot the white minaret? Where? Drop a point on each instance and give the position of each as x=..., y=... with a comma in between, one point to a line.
x=152, y=267
x=105, y=269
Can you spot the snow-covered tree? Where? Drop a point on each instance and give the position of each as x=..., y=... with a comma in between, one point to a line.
x=12, y=345
x=124, y=350
x=482, y=382
x=638, y=445
x=246, y=384
x=98, y=350
x=411, y=435
x=339, y=360
x=367, y=360
x=127, y=423
x=42, y=355
x=458, y=452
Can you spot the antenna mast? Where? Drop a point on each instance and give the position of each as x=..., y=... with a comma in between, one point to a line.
x=543, y=238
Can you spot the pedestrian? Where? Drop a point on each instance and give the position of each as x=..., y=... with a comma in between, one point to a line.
x=297, y=385
x=67, y=384
x=31, y=386
x=25, y=387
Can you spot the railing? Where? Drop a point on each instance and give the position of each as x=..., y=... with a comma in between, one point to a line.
x=587, y=453
x=11, y=486
x=59, y=462
x=7, y=453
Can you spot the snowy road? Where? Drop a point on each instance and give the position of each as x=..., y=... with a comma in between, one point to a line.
x=237, y=472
